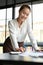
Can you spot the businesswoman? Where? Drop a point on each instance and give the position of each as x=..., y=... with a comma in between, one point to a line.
x=18, y=29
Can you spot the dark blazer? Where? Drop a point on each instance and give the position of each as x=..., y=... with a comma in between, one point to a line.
x=7, y=47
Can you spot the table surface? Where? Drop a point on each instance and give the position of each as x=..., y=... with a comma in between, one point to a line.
x=11, y=57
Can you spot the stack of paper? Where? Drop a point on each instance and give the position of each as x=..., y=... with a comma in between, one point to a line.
x=32, y=54
x=36, y=54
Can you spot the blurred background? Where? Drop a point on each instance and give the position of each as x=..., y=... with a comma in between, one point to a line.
x=9, y=10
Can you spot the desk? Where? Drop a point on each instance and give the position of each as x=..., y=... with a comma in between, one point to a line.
x=8, y=59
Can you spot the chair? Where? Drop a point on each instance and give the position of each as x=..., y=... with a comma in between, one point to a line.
x=7, y=46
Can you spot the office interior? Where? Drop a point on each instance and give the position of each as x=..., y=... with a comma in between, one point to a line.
x=9, y=10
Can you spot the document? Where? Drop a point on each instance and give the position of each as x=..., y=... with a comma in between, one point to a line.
x=27, y=53
x=36, y=54
x=32, y=53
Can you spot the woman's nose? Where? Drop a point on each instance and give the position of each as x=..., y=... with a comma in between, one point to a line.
x=25, y=16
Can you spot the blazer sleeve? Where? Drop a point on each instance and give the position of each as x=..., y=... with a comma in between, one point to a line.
x=13, y=36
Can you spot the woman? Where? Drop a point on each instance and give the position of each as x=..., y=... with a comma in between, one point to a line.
x=18, y=29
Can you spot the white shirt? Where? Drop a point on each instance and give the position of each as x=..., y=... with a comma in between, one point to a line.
x=18, y=34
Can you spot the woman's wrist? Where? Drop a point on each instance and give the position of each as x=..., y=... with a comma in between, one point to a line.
x=17, y=49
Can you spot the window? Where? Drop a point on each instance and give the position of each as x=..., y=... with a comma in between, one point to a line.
x=9, y=17
x=5, y=16
x=38, y=21
x=2, y=25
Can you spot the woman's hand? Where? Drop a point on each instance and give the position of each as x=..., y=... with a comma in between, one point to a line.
x=21, y=49
x=38, y=49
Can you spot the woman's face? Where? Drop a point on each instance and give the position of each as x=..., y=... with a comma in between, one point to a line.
x=23, y=14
